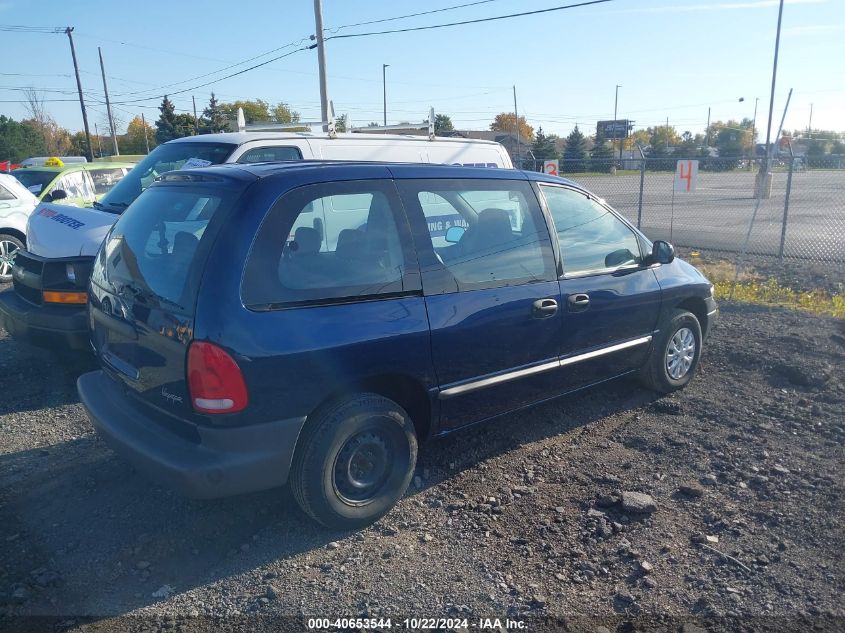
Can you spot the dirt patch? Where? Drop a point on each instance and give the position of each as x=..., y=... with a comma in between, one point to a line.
x=718, y=508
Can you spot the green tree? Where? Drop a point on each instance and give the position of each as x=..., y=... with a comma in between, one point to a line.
x=602, y=154
x=19, y=140
x=213, y=118
x=282, y=113
x=257, y=111
x=543, y=147
x=575, y=154
x=186, y=124
x=442, y=123
x=341, y=123
x=687, y=146
x=504, y=122
x=166, y=124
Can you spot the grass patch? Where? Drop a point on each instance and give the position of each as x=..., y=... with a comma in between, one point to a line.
x=752, y=288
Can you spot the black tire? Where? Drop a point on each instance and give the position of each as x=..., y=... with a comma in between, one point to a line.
x=358, y=434
x=656, y=374
x=7, y=242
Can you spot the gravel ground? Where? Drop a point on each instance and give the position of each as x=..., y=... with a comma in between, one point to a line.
x=718, y=508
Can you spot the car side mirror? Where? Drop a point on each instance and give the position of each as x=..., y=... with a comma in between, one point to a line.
x=454, y=234
x=57, y=194
x=662, y=252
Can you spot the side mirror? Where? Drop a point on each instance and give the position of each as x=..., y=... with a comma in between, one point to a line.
x=57, y=194
x=662, y=252
x=454, y=234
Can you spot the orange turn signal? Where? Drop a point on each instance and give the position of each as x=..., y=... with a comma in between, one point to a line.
x=52, y=296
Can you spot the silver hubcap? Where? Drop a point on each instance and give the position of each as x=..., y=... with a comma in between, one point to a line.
x=7, y=257
x=680, y=353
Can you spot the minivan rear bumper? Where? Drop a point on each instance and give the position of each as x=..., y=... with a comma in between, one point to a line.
x=225, y=461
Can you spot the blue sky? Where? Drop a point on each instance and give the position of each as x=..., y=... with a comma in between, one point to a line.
x=672, y=58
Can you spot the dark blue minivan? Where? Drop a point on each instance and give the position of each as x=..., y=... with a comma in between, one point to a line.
x=311, y=322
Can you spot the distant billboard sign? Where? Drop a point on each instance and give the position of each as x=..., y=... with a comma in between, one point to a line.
x=614, y=129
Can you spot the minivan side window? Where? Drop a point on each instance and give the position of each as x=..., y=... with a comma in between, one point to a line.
x=484, y=233
x=272, y=153
x=592, y=238
x=328, y=242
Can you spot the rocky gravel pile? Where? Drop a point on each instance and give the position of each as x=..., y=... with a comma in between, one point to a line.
x=717, y=508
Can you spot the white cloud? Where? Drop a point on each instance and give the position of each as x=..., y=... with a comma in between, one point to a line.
x=810, y=29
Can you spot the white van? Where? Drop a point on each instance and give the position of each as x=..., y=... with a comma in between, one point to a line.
x=79, y=231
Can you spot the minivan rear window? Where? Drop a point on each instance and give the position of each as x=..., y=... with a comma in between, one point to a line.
x=158, y=250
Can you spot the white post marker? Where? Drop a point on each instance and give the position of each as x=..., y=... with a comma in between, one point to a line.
x=551, y=167
x=686, y=176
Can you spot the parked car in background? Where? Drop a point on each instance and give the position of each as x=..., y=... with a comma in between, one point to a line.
x=79, y=184
x=16, y=205
x=310, y=323
x=47, y=304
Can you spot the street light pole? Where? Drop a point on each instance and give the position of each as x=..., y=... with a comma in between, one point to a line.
x=384, y=89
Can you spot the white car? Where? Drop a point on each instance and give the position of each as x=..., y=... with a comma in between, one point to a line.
x=16, y=205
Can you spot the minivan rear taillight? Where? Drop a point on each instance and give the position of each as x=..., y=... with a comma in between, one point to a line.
x=215, y=380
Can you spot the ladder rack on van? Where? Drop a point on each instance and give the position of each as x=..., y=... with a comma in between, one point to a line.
x=429, y=125
x=331, y=125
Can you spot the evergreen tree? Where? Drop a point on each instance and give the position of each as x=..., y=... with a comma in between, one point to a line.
x=166, y=124
x=543, y=147
x=575, y=154
x=601, y=156
x=185, y=124
x=213, y=120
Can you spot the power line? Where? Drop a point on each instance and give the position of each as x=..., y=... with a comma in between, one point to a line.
x=410, y=15
x=17, y=28
x=475, y=21
x=208, y=83
x=214, y=72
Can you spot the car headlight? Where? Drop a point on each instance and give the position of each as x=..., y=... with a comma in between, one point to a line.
x=712, y=290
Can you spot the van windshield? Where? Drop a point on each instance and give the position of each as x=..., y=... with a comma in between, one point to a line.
x=164, y=158
x=156, y=252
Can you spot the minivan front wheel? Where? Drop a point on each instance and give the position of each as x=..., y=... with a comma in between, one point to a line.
x=675, y=353
x=354, y=461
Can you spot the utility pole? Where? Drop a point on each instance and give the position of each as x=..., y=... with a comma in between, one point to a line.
x=772, y=95
x=196, y=120
x=108, y=104
x=615, y=104
x=754, y=129
x=146, y=140
x=384, y=89
x=810, y=125
x=516, y=125
x=90, y=154
x=667, y=132
x=321, y=60
x=97, y=135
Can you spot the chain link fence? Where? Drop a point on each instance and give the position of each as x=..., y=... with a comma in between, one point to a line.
x=802, y=217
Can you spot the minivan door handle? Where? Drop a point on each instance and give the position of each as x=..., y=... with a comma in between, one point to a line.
x=544, y=308
x=578, y=301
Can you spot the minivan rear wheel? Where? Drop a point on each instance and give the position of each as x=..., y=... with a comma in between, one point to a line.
x=354, y=461
x=675, y=353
